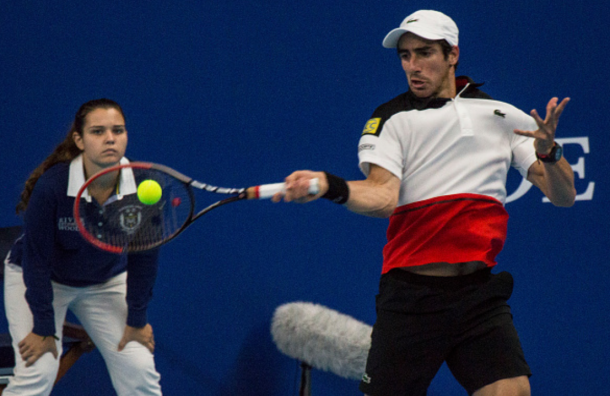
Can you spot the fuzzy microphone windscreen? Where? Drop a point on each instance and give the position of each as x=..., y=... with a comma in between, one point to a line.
x=323, y=338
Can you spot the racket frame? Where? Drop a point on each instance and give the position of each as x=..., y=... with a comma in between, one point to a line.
x=187, y=181
x=257, y=192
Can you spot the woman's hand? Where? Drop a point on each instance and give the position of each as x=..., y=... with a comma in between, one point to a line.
x=33, y=346
x=143, y=335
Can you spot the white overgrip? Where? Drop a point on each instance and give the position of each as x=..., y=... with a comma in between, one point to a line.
x=266, y=191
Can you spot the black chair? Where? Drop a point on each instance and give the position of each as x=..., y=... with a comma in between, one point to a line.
x=75, y=339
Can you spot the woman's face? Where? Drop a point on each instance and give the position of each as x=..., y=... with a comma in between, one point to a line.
x=104, y=139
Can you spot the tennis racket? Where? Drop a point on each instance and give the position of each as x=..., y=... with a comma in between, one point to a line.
x=124, y=223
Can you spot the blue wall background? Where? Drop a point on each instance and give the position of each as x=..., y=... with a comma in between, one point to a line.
x=238, y=93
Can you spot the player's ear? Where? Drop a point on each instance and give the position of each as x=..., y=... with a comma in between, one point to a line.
x=78, y=140
x=454, y=55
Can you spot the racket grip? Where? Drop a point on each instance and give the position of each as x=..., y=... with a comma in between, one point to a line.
x=266, y=191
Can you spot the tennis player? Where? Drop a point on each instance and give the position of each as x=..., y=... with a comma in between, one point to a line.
x=51, y=269
x=436, y=160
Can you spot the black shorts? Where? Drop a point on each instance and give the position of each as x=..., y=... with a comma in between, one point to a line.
x=423, y=321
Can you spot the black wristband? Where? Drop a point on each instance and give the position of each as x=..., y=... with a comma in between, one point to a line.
x=338, y=190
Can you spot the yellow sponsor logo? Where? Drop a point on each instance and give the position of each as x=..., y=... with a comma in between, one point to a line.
x=371, y=126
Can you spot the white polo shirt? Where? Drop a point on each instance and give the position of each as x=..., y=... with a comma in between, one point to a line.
x=452, y=157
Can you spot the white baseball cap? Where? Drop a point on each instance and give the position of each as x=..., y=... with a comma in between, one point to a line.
x=428, y=24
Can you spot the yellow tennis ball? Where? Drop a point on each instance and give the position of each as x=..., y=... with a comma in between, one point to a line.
x=149, y=192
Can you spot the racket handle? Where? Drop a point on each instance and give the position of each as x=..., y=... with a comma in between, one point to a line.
x=266, y=191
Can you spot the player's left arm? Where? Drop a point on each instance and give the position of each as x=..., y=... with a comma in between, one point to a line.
x=555, y=180
x=142, y=268
x=143, y=335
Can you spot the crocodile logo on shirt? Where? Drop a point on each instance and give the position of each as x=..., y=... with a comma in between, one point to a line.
x=499, y=113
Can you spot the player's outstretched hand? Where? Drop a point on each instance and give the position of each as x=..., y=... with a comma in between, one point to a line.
x=297, y=186
x=33, y=346
x=143, y=335
x=545, y=134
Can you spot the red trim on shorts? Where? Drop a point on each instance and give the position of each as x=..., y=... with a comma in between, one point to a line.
x=451, y=229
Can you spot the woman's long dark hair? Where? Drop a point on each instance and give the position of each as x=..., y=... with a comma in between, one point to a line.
x=67, y=150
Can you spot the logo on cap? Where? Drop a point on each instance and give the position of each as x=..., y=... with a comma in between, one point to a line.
x=412, y=20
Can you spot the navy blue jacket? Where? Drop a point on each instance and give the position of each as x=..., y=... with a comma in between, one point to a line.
x=52, y=249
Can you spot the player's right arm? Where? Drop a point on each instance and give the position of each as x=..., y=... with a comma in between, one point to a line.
x=33, y=346
x=38, y=254
x=376, y=196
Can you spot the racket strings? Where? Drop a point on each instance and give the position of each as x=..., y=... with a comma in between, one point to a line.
x=124, y=223
x=129, y=223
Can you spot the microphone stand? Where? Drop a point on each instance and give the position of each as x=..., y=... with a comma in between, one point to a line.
x=305, y=388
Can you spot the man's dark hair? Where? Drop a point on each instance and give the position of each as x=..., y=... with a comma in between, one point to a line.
x=446, y=47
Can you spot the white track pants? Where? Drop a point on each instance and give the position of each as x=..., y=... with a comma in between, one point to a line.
x=102, y=311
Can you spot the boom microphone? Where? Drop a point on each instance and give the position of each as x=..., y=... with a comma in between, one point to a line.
x=323, y=338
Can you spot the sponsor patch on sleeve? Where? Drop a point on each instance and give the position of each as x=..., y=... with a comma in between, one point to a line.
x=371, y=127
x=366, y=146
